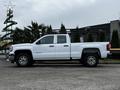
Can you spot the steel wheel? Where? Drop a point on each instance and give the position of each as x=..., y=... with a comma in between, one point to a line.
x=23, y=60
x=91, y=60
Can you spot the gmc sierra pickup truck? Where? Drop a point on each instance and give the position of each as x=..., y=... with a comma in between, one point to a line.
x=54, y=47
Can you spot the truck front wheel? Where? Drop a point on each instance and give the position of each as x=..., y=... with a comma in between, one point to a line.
x=91, y=60
x=24, y=59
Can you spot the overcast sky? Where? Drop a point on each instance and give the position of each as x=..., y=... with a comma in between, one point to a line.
x=72, y=13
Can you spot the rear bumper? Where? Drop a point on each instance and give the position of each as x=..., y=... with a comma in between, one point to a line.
x=105, y=54
x=109, y=54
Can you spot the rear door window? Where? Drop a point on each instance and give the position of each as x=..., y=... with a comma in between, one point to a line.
x=61, y=39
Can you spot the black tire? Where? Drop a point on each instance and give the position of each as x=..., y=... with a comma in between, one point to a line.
x=82, y=61
x=23, y=60
x=91, y=60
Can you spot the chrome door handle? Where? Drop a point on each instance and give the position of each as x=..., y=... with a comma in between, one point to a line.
x=66, y=45
x=51, y=46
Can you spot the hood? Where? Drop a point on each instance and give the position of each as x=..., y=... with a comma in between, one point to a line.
x=24, y=44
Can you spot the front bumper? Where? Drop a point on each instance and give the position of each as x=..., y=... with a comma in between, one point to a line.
x=11, y=58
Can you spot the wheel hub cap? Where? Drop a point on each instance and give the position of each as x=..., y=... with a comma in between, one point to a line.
x=23, y=60
x=91, y=60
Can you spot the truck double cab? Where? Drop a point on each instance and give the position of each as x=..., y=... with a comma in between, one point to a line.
x=54, y=47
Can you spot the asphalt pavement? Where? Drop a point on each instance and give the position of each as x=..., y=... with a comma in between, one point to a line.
x=58, y=76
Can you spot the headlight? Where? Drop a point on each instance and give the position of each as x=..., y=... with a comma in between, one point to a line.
x=10, y=49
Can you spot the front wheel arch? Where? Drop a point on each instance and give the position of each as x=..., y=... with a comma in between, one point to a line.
x=26, y=54
x=23, y=51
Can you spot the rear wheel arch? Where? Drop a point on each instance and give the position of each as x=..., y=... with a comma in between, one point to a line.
x=95, y=51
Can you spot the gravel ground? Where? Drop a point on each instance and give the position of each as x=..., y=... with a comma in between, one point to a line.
x=59, y=77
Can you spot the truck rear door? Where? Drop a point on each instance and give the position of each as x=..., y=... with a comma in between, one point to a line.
x=62, y=47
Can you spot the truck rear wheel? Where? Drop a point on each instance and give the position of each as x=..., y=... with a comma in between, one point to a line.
x=91, y=60
x=23, y=59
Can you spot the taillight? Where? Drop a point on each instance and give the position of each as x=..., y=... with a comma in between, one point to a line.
x=108, y=47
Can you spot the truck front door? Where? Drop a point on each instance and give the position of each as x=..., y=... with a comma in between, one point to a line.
x=44, y=49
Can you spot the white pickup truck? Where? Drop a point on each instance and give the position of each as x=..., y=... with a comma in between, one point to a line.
x=54, y=47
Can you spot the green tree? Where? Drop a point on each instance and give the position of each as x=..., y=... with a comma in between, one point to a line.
x=18, y=36
x=115, y=39
x=29, y=34
x=102, y=36
x=90, y=38
x=43, y=30
x=9, y=23
x=49, y=30
x=34, y=28
x=22, y=36
x=8, y=29
x=62, y=30
x=76, y=37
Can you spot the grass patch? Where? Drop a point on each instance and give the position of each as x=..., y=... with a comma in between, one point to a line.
x=110, y=61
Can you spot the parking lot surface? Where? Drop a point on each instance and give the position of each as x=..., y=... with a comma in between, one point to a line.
x=59, y=77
